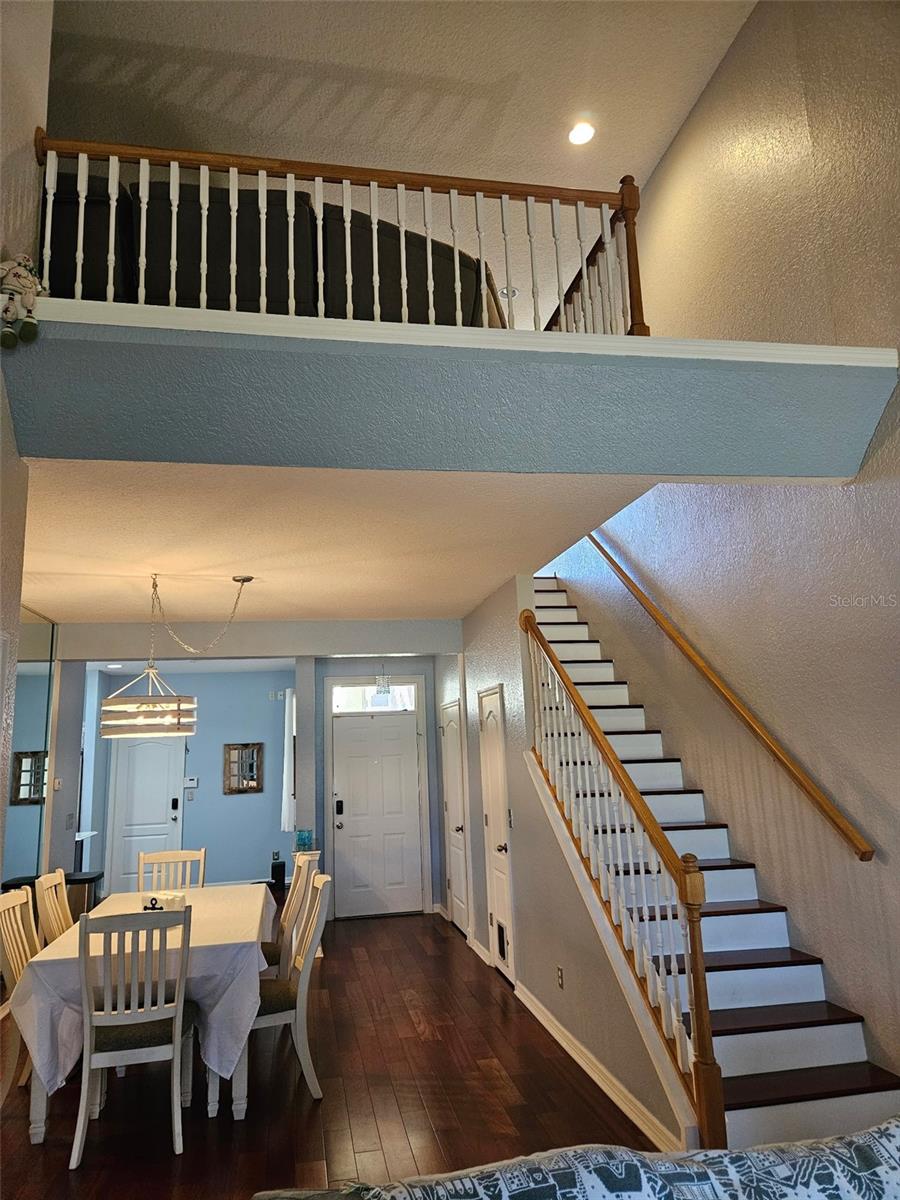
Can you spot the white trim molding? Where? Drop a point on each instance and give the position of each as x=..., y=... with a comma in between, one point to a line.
x=661, y=1137
x=482, y=951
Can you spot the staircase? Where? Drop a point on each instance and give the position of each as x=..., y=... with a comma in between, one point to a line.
x=793, y=1063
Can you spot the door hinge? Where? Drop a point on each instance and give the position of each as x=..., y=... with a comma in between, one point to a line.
x=485, y=819
x=491, y=920
x=448, y=885
x=509, y=817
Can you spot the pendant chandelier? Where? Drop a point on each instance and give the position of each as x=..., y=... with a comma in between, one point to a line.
x=158, y=710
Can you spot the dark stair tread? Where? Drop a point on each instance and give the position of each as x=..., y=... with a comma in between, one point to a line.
x=751, y=960
x=559, y=608
x=769, y=1017
x=693, y=825
x=734, y=908
x=626, y=762
x=673, y=791
x=706, y=864
x=807, y=1083
x=593, y=662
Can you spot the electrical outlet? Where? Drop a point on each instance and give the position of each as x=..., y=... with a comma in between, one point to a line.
x=190, y=795
x=281, y=695
x=276, y=856
x=560, y=978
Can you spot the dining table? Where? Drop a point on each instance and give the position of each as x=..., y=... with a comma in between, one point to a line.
x=228, y=922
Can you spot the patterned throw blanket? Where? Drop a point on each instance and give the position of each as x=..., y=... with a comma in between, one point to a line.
x=860, y=1166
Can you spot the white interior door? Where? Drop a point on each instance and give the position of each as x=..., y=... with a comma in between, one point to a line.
x=146, y=775
x=496, y=832
x=457, y=863
x=375, y=807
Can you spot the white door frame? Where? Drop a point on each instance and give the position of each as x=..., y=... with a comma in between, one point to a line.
x=466, y=810
x=111, y=804
x=497, y=689
x=331, y=682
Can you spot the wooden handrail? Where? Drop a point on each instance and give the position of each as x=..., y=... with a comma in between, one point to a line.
x=328, y=172
x=863, y=850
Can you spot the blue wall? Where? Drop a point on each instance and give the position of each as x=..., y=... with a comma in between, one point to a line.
x=423, y=665
x=23, y=821
x=239, y=832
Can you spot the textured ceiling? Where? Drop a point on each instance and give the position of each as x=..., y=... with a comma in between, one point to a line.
x=322, y=544
x=486, y=89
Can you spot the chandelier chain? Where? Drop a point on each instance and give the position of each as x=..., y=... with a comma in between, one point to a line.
x=157, y=610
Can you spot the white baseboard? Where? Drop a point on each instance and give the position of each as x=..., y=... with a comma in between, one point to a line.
x=441, y=911
x=664, y=1139
x=482, y=951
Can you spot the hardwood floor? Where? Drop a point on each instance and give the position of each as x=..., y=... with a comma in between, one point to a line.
x=427, y=1061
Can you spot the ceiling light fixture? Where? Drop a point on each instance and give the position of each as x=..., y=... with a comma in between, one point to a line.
x=159, y=711
x=581, y=133
x=114, y=666
x=509, y=293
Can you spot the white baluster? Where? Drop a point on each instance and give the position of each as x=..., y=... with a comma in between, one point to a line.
x=654, y=866
x=504, y=222
x=319, y=204
x=429, y=265
x=263, y=198
x=602, y=281
x=581, y=229
x=479, y=229
x=376, y=279
x=622, y=254
x=233, y=207
x=640, y=848
x=401, y=221
x=348, y=265
x=569, y=324
x=605, y=784
x=531, y=226
x=556, y=227
x=618, y=816
x=454, y=229
x=144, y=195
x=594, y=292
x=112, y=190
x=82, y=186
x=611, y=269
x=290, y=199
x=50, y=175
x=632, y=889
x=204, y=222
x=174, y=196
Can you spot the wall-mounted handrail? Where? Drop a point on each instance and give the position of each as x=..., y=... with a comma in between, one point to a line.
x=863, y=849
x=651, y=896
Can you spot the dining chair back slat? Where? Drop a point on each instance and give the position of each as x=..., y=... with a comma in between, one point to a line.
x=171, y=870
x=294, y=917
x=309, y=937
x=54, y=914
x=18, y=936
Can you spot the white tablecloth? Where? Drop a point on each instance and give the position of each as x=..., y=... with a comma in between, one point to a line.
x=227, y=925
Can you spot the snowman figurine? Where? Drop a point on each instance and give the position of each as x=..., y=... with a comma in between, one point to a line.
x=20, y=286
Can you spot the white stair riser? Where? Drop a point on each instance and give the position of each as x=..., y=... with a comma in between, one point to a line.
x=606, y=692
x=581, y=672
x=677, y=807
x=581, y=651
x=566, y=614
x=655, y=775
x=745, y=931
x=612, y=719
x=809, y=1119
x=547, y=599
x=563, y=630
x=705, y=842
x=637, y=745
x=758, y=986
x=791, y=1049
x=546, y=585
x=738, y=883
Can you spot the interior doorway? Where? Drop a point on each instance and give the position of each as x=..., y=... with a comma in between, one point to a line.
x=455, y=816
x=497, y=829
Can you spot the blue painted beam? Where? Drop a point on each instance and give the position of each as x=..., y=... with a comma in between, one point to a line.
x=181, y=395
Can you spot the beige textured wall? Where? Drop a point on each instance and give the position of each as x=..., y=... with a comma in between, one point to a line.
x=790, y=158
x=552, y=926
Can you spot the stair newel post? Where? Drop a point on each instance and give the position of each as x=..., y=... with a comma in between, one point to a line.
x=707, y=1074
x=536, y=746
x=631, y=202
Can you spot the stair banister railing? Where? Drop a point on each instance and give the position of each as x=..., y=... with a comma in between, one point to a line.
x=860, y=846
x=651, y=896
x=579, y=218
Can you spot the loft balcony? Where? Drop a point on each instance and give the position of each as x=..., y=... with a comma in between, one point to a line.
x=211, y=308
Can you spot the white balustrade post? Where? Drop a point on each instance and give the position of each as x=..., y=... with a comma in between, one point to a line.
x=556, y=227
x=479, y=229
x=50, y=174
x=454, y=230
x=429, y=265
x=581, y=228
x=611, y=269
x=290, y=200
x=233, y=211
x=174, y=197
x=82, y=187
x=263, y=202
x=531, y=228
x=504, y=222
x=204, y=231
x=401, y=221
x=319, y=205
x=348, y=261
x=376, y=279
x=144, y=195
x=112, y=190
x=622, y=255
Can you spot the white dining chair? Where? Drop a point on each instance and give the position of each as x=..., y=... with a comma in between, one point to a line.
x=133, y=971
x=279, y=953
x=54, y=914
x=18, y=945
x=170, y=870
x=284, y=1002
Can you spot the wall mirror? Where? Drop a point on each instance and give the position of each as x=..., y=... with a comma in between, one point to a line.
x=242, y=769
x=27, y=783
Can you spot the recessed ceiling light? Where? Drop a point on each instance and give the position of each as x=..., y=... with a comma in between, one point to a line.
x=114, y=666
x=581, y=133
x=509, y=293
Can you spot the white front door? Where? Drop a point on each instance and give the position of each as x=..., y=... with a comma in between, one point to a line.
x=375, y=811
x=146, y=781
x=496, y=832
x=457, y=867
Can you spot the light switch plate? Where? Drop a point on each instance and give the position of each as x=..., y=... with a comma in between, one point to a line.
x=191, y=781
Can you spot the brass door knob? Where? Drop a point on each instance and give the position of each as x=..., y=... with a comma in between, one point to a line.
x=503, y=848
